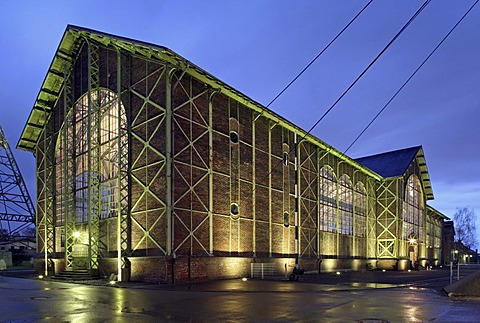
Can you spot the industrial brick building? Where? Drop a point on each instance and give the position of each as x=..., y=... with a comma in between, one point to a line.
x=145, y=159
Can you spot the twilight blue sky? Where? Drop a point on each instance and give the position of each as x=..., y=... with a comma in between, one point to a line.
x=258, y=47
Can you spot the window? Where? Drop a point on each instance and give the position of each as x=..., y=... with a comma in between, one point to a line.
x=345, y=206
x=89, y=162
x=413, y=209
x=328, y=200
x=234, y=137
x=360, y=211
x=234, y=210
x=286, y=219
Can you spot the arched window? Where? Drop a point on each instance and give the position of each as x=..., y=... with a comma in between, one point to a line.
x=413, y=209
x=345, y=205
x=328, y=200
x=360, y=210
x=91, y=154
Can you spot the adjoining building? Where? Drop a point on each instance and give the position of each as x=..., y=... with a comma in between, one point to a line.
x=145, y=160
x=17, y=251
x=448, y=237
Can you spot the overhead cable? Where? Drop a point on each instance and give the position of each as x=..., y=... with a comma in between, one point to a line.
x=411, y=76
x=368, y=67
x=308, y=65
x=318, y=55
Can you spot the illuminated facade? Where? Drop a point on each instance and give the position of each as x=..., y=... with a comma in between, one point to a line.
x=143, y=155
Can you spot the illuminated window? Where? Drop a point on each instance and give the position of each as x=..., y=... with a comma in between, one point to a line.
x=345, y=206
x=413, y=209
x=328, y=200
x=88, y=161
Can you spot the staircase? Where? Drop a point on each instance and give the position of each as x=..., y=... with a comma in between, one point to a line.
x=74, y=275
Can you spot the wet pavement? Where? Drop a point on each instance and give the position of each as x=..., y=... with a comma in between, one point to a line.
x=372, y=296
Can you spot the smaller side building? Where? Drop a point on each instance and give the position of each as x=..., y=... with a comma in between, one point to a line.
x=17, y=251
x=448, y=242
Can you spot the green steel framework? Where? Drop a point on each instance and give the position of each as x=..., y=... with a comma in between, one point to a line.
x=387, y=218
x=194, y=127
x=46, y=215
x=69, y=168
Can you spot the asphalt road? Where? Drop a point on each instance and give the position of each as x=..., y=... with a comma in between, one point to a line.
x=350, y=297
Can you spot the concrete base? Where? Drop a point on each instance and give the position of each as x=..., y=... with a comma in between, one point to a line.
x=469, y=286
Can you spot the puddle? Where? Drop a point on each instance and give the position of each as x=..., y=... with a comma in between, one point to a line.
x=373, y=285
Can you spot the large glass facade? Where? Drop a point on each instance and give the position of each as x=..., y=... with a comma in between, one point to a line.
x=413, y=210
x=328, y=200
x=88, y=162
x=345, y=206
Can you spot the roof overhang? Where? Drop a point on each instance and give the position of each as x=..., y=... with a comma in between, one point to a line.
x=424, y=177
x=65, y=56
x=437, y=213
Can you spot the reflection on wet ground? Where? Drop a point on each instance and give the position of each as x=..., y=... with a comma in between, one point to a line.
x=350, y=297
x=372, y=285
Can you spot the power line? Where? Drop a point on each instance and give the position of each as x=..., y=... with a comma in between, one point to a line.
x=304, y=69
x=353, y=83
x=411, y=76
x=316, y=57
x=368, y=67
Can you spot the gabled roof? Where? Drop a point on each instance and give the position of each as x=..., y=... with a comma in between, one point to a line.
x=64, y=58
x=391, y=163
x=395, y=163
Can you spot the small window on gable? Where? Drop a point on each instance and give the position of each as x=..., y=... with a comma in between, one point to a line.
x=234, y=137
x=285, y=154
x=234, y=130
x=286, y=219
x=234, y=210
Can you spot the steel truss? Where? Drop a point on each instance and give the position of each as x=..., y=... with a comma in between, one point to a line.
x=46, y=219
x=371, y=243
x=192, y=167
x=309, y=198
x=149, y=210
x=83, y=169
x=15, y=202
x=389, y=199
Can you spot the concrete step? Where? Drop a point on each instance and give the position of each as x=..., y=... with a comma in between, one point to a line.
x=77, y=274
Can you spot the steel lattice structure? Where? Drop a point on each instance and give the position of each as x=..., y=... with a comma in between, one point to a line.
x=142, y=154
x=16, y=207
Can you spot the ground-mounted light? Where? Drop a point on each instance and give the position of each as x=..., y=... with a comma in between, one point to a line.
x=40, y=276
x=244, y=279
x=409, y=270
x=383, y=270
x=112, y=282
x=338, y=273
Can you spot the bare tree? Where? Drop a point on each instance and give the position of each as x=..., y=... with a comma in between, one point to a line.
x=3, y=234
x=28, y=232
x=465, y=229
